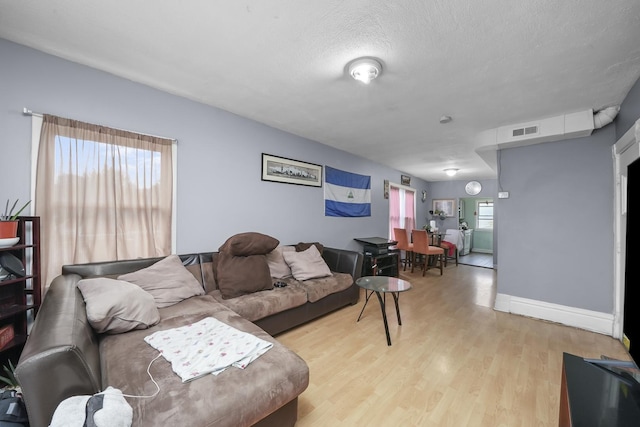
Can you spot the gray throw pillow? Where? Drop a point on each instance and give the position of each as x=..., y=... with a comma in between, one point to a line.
x=168, y=281
x=115, y=306
x=307, y=264
x=277, y=265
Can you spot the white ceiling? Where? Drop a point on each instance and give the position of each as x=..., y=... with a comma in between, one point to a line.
x=485, y=63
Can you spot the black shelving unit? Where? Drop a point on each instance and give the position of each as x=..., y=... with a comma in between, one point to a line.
x=379, y=258
x=381, y=265
x=20, y=297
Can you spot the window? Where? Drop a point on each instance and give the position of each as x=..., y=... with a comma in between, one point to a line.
x=402, y=211
x=102, y=194
x=485, y=215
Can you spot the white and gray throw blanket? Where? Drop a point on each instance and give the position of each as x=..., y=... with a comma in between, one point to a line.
x=207, y=346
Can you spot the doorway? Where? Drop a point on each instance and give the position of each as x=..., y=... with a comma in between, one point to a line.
x=625, y=151
x=476, y=214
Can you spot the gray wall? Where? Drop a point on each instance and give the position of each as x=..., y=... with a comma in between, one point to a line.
x=219, y=154
x=629, y=111
x=555, y=231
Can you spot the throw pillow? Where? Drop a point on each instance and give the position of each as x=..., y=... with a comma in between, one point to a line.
x=168, y=281
x=241, y=275
x=307, y=265
x=115, y=306
x=300, y=247
x=245, y=244
x=278, y=267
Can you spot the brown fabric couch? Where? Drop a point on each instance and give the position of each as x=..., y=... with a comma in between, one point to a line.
x=65, y=357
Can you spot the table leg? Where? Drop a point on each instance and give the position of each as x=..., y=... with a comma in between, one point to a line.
x=368, y=295
x=384, y=316
x=396, y=296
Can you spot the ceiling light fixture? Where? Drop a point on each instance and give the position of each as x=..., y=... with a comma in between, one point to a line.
x=451, y=171
x=445, y=119
x=365, y=69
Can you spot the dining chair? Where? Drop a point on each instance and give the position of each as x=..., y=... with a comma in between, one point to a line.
x=401, y=236
x=450, y=243
x=421, y=246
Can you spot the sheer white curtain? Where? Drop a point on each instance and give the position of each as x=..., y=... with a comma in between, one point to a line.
x=101, y=194
x=401, y=209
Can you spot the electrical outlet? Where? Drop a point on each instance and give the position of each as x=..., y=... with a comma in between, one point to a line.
x=503, y=194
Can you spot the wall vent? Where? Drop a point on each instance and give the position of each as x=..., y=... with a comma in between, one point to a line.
x=525, y=131
x=557, y=128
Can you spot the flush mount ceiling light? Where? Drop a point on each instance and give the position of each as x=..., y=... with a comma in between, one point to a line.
x=451, y=171
x=445, y=119
x=365, y=69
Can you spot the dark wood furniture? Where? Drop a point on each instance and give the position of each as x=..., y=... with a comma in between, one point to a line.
x=379, y=258
x=20, y=297
x=590, y=395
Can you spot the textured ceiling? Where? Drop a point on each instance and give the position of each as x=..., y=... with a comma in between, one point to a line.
x=485, y=63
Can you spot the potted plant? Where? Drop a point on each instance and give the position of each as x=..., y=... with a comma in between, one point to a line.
x=8, y=220
x=440, y=214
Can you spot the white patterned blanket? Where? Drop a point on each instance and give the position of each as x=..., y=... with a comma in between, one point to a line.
x=207, y=346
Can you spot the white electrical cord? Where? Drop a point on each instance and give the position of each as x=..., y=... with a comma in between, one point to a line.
x=152, y=380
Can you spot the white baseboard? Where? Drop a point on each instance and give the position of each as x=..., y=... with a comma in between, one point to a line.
x=482, y=251
x=589, y=320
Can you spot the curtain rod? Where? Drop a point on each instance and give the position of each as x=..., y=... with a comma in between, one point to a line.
x=28, y=112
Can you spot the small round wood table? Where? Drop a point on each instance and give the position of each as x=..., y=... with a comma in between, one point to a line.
x=383, y=285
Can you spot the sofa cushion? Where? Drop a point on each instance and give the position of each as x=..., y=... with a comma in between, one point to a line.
x=115, y=306
x=301, y=246
x=236, y=397
x=317, y=289
x=245, y=244
x=168, y=281
x=259, y=305
x=241, y=275
x=307, y=265
x=278, y=267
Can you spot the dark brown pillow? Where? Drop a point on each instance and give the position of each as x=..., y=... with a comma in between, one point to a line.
x=245, y=244
x=301, y=247
x=241, y=275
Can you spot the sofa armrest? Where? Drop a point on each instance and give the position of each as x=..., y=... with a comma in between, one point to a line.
x=61, y=356
x=343, y=261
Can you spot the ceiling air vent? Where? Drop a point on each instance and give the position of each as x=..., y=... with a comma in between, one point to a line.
x=525, y=131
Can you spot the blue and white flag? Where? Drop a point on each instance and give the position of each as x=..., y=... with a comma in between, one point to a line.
x=346, y=193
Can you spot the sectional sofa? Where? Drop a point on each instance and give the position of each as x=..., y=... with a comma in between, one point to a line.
x=71, y=351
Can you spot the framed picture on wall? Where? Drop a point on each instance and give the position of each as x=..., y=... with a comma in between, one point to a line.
x=405, y=180
x=448, y=206
x=289, y=171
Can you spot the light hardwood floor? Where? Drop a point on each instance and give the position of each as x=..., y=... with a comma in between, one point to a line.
x=454, y=361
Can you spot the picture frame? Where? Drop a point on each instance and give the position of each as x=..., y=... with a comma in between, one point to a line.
x=290, y=171
x=405, y=180
x=448, y=206
x=386, y=189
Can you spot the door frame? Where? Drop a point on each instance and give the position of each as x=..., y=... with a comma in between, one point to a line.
x=626, y=142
